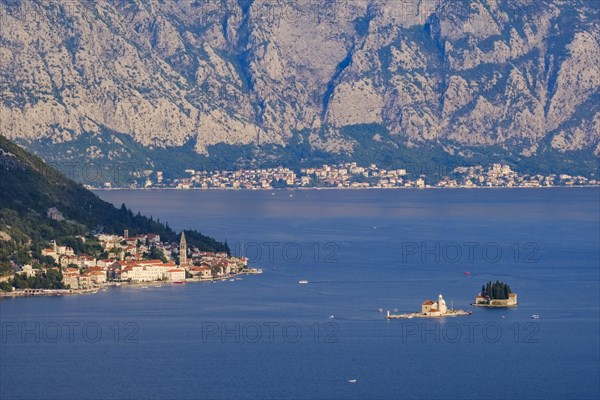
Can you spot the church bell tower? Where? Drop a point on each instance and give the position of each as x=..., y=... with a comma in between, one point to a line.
x=182, y=250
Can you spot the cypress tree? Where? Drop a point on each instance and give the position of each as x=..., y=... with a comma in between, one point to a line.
x=496, y=290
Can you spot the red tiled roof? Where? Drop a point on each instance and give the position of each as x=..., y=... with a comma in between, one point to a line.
x=427, y=302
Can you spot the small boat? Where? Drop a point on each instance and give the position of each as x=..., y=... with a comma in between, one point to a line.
x=395, y=310
x=380, y=309
x=535, y=316
x=232, y=280
x=331, y=317
x=303, y=282
x=157, y=285
x=470, y=312
x=104, y=289
x=238, y=279
x=178, y=283
x=117, y=284
x=144, y=287
x=351, y=380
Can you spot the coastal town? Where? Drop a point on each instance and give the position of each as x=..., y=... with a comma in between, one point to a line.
x=138, y=259
x=353, y=176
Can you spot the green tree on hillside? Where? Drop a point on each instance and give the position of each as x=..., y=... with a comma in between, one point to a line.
x=155, y=254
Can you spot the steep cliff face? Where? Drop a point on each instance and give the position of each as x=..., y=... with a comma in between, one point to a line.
x=457, y=74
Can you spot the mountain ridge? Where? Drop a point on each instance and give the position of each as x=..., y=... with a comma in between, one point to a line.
x=259, y=79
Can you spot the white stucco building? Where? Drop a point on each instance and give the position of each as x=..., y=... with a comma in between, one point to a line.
x=432, y=308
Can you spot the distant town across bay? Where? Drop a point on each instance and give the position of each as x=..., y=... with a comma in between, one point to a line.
x=352, y=176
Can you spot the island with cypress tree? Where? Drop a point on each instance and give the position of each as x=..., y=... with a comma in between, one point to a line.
x=496, y=294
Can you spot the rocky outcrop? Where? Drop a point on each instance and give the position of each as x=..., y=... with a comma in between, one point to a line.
x=467, y=73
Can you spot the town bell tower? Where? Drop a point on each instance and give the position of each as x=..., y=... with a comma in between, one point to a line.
x=182, y=250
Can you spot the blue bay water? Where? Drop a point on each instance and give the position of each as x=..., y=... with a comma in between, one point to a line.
x=268, y=337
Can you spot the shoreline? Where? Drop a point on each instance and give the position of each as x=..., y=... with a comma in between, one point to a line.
x=494, y=305
x=49, y=292
x=450, y=313
x=94, y=290
x=350, y=188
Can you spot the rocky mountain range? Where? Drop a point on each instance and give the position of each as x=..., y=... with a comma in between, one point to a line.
x=277, y=81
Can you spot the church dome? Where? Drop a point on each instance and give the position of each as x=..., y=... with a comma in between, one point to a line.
x=441, y=300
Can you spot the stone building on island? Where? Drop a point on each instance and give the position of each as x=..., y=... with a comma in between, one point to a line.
x=433, y=309
x=484, y=300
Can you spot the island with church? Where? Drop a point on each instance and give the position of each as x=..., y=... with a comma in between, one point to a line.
x=431, y=309
x=495, y=294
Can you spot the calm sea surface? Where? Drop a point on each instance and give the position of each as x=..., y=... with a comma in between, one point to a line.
x=268, y=337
